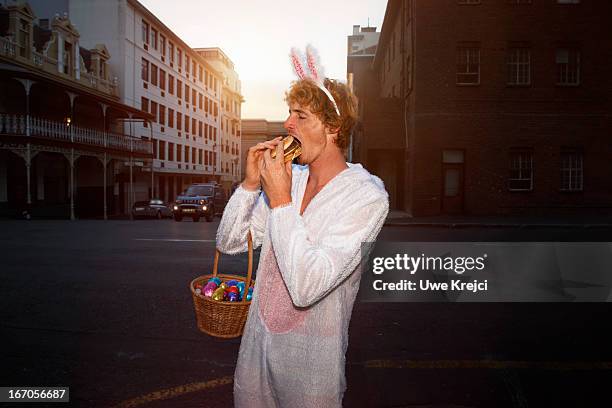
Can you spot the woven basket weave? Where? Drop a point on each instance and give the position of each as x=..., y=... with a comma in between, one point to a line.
x=221, y=318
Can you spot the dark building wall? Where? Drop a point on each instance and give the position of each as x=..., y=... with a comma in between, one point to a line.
x=489, y=120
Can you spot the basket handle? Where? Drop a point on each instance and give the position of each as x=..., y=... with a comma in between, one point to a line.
x=249, y=268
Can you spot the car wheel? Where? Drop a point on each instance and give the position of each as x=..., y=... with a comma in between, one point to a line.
x=196, y=219
x=178, y=218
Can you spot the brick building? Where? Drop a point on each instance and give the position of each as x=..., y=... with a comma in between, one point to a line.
x=490, y=107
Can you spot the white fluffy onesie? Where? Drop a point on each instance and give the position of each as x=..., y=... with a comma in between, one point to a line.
x=293, y=349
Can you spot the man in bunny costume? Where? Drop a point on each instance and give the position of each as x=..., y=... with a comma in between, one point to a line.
x=310, y=220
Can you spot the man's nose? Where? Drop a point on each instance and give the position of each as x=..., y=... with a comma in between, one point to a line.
x=289, y=123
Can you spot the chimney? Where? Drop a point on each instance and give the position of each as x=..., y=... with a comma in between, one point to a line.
x=356, y=30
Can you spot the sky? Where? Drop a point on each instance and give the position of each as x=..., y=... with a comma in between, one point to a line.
x=257, y=36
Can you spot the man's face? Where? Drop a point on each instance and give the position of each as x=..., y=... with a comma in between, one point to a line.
x=308, y=129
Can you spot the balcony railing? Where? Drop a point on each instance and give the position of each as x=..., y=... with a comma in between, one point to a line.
x=48, y=129
x=7, y=47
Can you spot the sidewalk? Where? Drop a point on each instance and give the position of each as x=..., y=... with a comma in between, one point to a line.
x=397, y=218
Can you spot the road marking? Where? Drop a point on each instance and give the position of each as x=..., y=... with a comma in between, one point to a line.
x=427, y=364
x=491, y=364
x=175, y=392
x=174, y=240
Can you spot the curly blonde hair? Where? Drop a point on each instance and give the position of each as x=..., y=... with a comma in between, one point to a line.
x=307, y=93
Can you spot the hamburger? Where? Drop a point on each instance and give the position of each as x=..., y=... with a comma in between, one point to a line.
x=291, y=147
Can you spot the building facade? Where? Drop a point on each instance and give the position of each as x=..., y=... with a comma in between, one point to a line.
x=491, y=107
x=63, y=148
x=182, y=90
x=255, y=131
x=230, y=103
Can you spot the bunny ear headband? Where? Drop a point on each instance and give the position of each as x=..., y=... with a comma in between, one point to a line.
x=315, y=72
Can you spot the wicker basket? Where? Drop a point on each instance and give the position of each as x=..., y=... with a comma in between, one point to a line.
x=220, y=318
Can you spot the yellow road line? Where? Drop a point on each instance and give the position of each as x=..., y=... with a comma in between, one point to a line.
x=175, y=392
x=491, y=364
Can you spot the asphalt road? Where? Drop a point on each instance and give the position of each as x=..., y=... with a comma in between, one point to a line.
x=104, y=308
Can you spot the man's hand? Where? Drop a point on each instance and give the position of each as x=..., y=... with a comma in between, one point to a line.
x=254, y=158
x=276, y=177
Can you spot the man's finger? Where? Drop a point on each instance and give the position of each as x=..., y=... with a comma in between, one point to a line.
x=280, y=156
x=289, y=168
x=267, y=157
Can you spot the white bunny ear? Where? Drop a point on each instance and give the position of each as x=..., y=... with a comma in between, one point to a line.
x=312, y=58
x=296, y=60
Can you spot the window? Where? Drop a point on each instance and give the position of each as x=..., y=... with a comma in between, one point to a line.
x=200, y=156
x=200, y=97
x=170, y=117
x=145, y=32
x=162, y=150
x=519, y=66
x=206, y=152
x=170, y=151
x=193, y=96
x=186, y=63
x=206, y=131
x=154, y=37
x=521, y=171
x=144, y=70
x=179, y=152
x=155, y=148
x=194, y=68
x=186, y=154
x=186, y=93
x=162, y=79
x=571, y=170
x=154, y=110
x=171, y=51
x=154, y=74
x=144, y=104
x=568, y=66
x=162, y=115
x=179, y=88
x=200, y=128
x=468, y=65
x=193, y=155
x=187, y=125
x=200, y=72
x=179, y=120
x=179, y=57
x=206, y=104
x=162, y=44
x=170, y=84
x=193, y=126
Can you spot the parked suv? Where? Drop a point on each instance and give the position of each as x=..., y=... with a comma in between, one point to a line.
x=200, y=200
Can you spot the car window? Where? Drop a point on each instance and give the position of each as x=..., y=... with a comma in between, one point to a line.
x=199, y=191
x=141, y=203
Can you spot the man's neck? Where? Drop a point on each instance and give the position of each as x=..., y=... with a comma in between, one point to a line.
x=326, y=166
